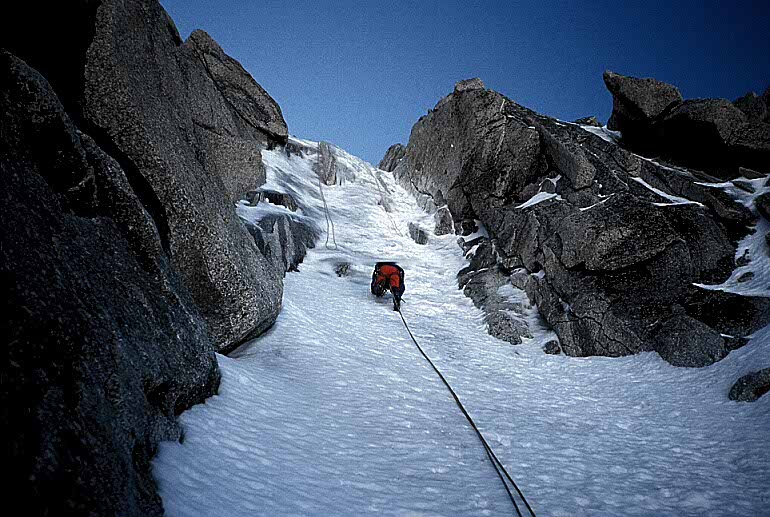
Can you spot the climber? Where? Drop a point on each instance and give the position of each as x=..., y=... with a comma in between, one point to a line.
x=388, y=276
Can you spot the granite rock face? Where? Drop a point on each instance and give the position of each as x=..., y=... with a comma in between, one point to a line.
x=132, y=51
x=178, y=120
x=105, y=346
x=710, y=135
x=253, y=106
x=124, y=151
x=606, y=243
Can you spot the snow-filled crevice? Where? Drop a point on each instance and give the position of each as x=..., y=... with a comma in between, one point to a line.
x=334, y=412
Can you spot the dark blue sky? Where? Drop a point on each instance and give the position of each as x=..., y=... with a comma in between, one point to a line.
x=360, y=73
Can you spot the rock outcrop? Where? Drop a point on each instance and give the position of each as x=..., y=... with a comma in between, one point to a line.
x=751, y=386
x=282, y=234
x=124, y=151
x=636, y=103
x=711, y=135
x=753, y=106
x=443, y=220
x=418, y=234
x=606, y=243
x=392, y=156
x=326, y=163
x=484, y=282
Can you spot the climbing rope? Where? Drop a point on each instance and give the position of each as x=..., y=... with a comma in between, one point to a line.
x=500, y=469
x=329, y=221
x=496, y=463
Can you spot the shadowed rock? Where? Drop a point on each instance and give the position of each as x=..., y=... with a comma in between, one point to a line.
x=276, y=198
x=104, y=343
x=751, y=386
x=673, y=339
x=762, y=202
x=753, y=106
x=712, y=135
x=636, y=103
x=283, y=239
x=126, y=201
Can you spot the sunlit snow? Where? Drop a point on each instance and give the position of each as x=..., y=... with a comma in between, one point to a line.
x=333, y=412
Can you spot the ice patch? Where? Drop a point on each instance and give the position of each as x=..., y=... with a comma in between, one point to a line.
x=603, y=133
x=675, y=200
x=539, y=198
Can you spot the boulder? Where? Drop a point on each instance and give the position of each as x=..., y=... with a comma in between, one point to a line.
x=444, y=223
x=751, y=386
x=552, y=347
x=105, y=345
x=417, y=234
x=392, y=156
x=342, y=269
x=504, y=318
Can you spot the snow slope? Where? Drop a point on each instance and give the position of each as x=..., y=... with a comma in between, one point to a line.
x=334, y=412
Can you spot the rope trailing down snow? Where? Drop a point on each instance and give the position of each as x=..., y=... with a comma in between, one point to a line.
x=496, y=463
x=329, y=221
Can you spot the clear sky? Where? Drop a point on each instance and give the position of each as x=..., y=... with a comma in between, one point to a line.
x=360, y=73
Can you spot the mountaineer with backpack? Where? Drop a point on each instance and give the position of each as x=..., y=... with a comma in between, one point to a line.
x=388, y=276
